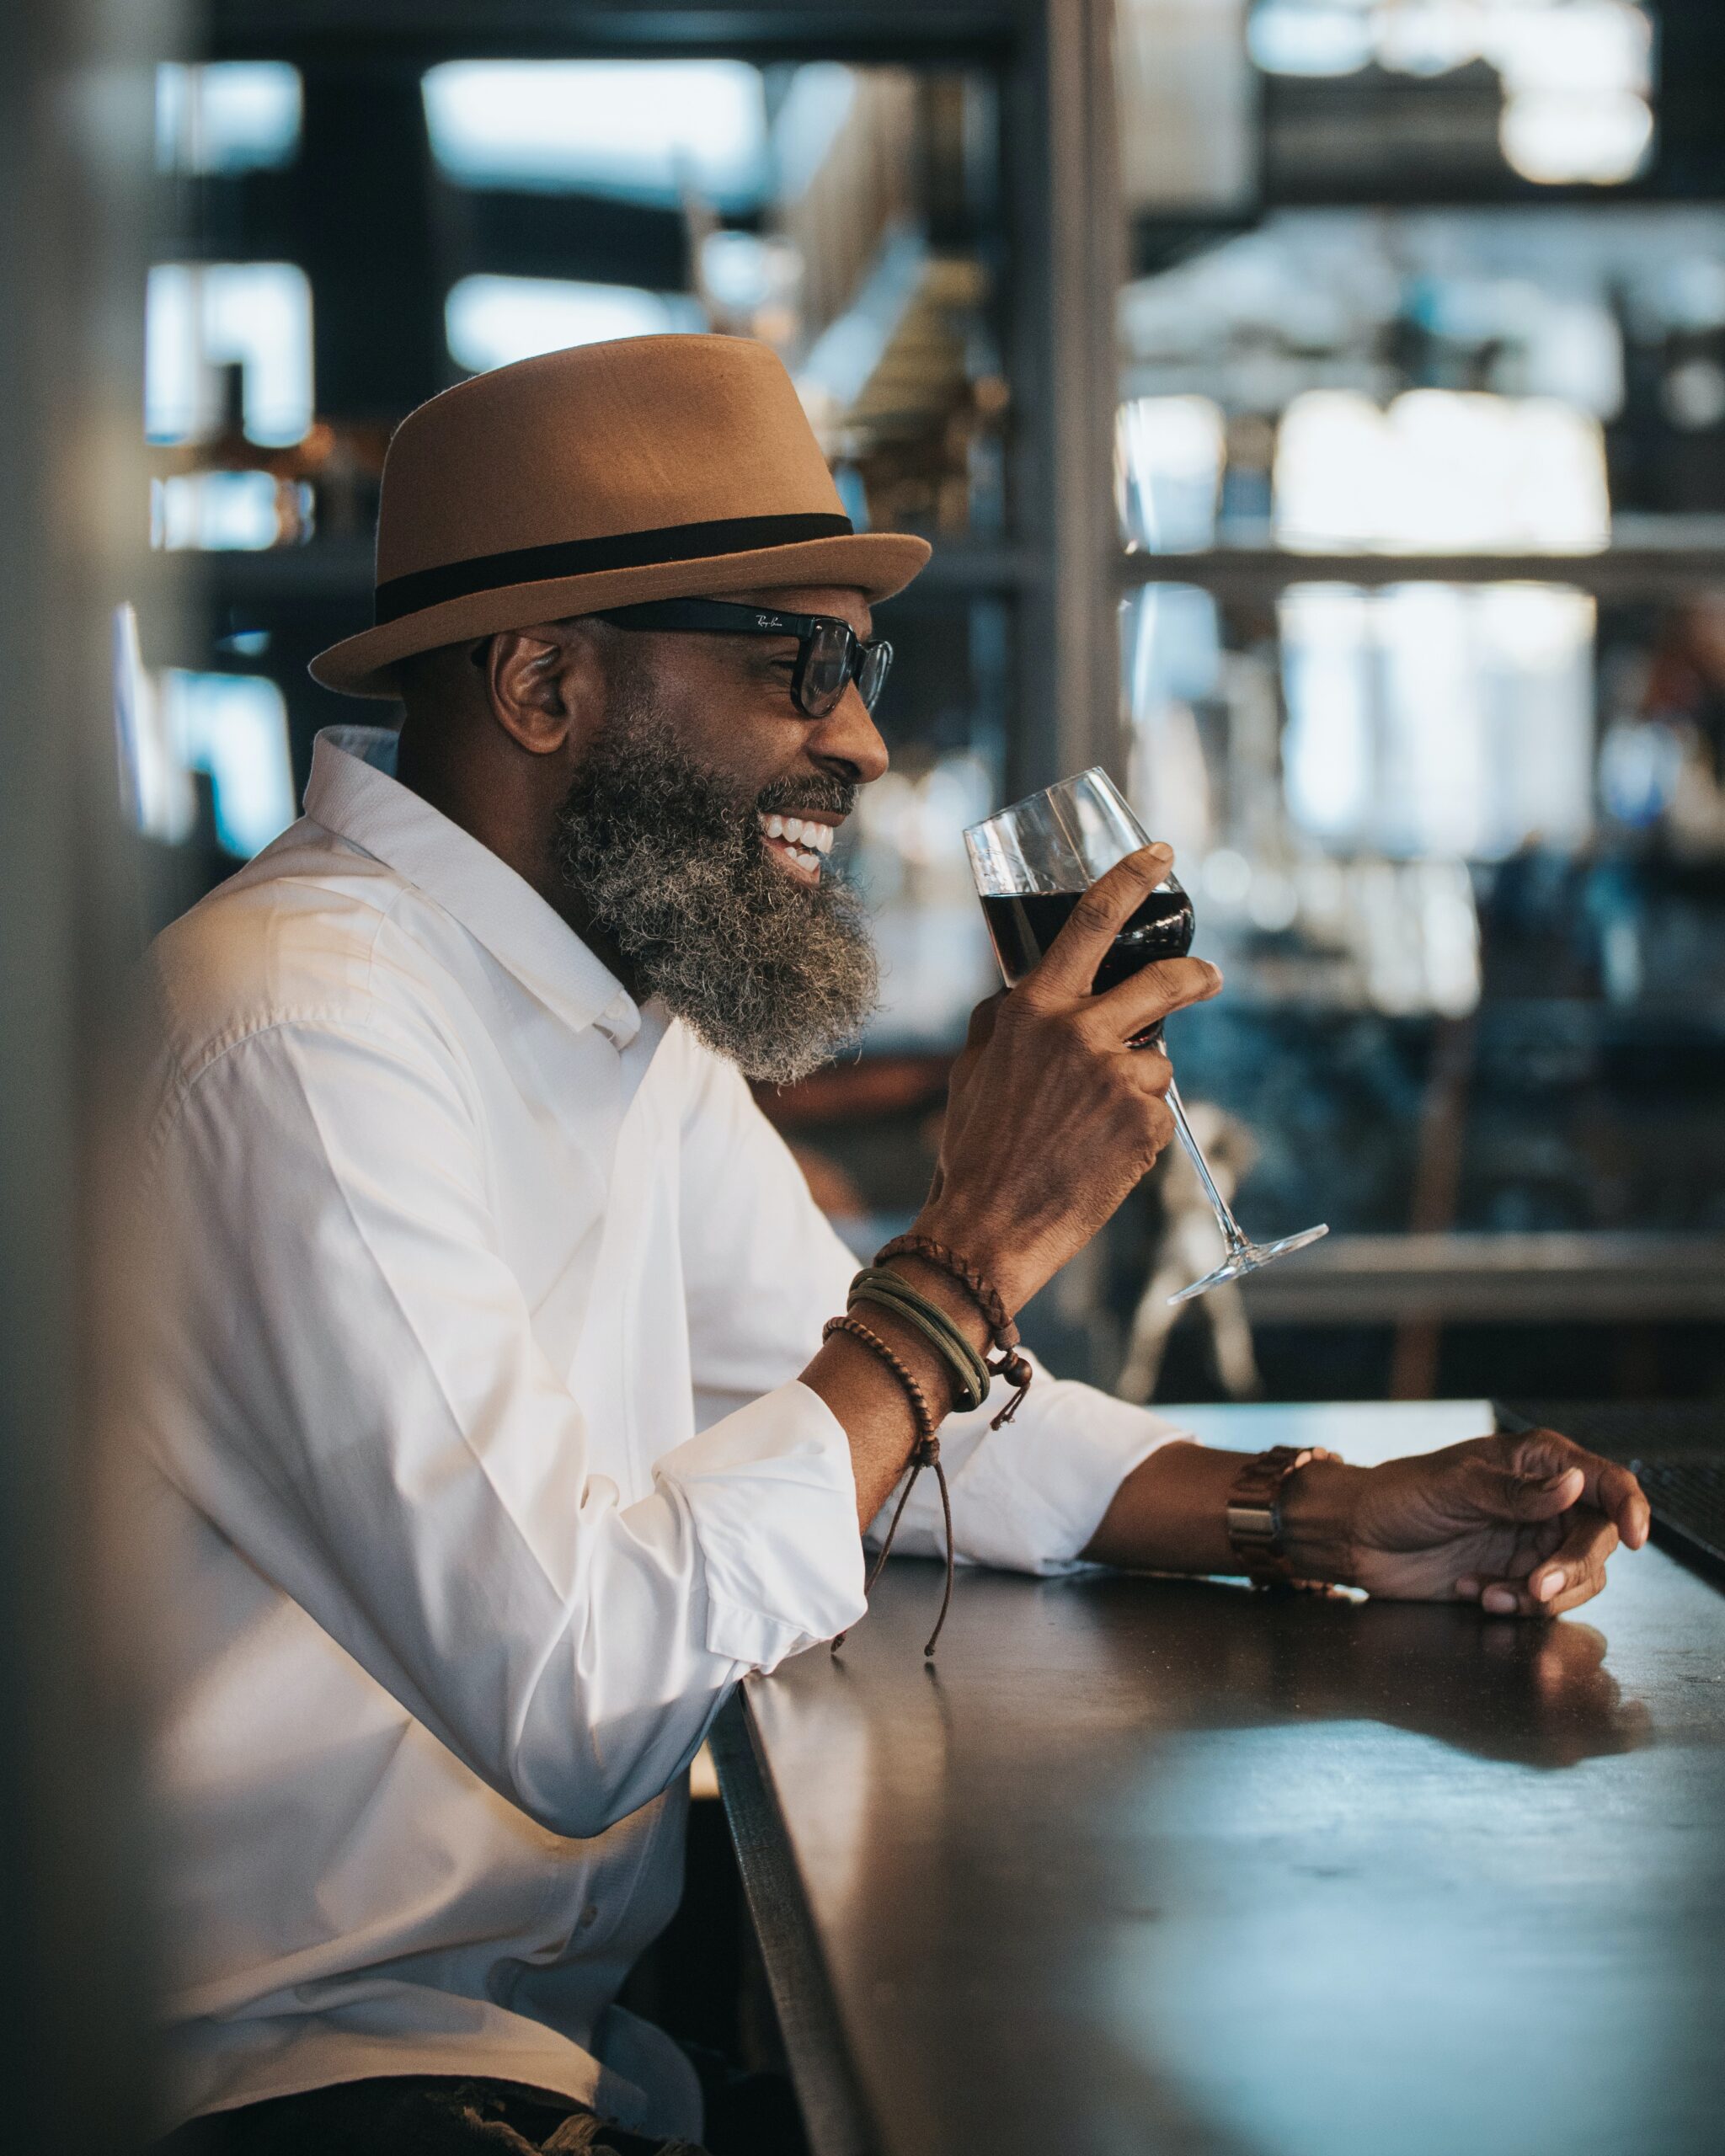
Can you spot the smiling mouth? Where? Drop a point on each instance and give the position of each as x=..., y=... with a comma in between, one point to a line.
x=798, y=844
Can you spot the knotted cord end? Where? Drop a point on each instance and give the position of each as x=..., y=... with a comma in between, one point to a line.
x=1018, y=1374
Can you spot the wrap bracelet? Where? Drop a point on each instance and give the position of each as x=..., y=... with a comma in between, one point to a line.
x=1003, y=1332
x=891, y=1291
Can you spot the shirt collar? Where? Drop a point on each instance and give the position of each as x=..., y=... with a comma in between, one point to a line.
x=353, y=791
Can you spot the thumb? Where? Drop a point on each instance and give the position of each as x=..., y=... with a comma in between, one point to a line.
x=1500, y=1493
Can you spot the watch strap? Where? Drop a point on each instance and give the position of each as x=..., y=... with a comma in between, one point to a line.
x=1255, y=1511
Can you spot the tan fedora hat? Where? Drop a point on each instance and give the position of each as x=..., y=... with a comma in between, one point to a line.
x=651, y=468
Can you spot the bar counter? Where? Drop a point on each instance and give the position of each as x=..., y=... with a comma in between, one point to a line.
x=1155, y=1865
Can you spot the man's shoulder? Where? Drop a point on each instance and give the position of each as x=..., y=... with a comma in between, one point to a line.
x=294, y=937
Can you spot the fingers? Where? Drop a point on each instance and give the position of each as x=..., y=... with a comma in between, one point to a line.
x=1607, y=1487
x=1069, y=966
x=1150, y=994
x=1573, y=1573
x=1507, y=1493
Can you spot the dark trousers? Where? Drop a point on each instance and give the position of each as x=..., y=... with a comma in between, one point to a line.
x=414, y=2114
x=460, y=2115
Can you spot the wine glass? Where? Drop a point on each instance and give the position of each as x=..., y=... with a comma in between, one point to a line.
x=1033, y=863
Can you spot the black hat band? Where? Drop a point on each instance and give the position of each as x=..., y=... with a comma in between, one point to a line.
x=625, y=550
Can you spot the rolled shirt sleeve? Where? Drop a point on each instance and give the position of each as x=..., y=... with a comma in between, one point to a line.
x=1030, y=1497
x=392, y=1448
x=765, y=1269
x=770, y=1491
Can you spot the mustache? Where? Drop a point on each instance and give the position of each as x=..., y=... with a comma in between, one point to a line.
x=790, y=797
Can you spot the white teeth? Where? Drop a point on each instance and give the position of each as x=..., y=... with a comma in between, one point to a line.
x=806, y=841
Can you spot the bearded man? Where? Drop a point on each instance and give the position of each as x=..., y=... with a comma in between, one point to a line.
x=490, y=1413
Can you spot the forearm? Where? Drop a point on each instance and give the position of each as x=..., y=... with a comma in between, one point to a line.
x=1171, y=1515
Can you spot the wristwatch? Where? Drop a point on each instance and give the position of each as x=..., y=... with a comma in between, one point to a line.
x=1255, y=1511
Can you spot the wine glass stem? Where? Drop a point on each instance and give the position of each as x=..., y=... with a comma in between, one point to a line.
x=1195, y=1153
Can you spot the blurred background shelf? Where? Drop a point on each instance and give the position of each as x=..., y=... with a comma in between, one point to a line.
x=1649, y=558
x=1496, y=1279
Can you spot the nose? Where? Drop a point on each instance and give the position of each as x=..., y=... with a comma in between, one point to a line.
x=849, y=735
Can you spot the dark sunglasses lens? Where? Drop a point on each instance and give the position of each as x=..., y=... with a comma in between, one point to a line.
x=871, y=677
x=826, y=669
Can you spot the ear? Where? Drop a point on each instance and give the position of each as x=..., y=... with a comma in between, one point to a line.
x=545, y=687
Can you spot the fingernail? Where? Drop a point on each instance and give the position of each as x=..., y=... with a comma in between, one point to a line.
x=1548, y=1585
x=1500, y=1601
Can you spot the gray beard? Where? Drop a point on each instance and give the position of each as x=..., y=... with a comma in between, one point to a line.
x=776, y=975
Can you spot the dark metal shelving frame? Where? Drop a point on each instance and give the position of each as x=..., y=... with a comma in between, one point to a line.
x=1052, y=62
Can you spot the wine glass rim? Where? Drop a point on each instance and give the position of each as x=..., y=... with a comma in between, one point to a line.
x=1042, y=793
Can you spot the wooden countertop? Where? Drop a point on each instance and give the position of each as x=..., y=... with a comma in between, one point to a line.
x=1159, y=1865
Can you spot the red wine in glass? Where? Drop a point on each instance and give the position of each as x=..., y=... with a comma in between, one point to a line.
x=1022, y=924
x=1032, y=863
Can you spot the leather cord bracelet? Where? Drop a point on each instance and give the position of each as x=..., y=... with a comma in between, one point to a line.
x=925, y=1454
x=1003, y=1332
x=891, y=1291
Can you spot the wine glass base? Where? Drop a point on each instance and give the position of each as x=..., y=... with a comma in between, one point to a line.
x=1250, y=1257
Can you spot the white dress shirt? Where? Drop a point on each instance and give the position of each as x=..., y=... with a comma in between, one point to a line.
x=476, y=1462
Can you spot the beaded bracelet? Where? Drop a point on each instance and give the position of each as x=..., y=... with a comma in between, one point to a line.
x=891, y=1291
x=1012, y=1365
x=925, y=1454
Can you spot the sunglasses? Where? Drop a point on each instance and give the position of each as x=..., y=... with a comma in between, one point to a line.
x=829, y=653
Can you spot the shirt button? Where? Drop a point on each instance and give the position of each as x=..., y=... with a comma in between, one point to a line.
x=590, y=1915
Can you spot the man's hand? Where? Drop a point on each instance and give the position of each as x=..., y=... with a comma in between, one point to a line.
x=1052, y=1116
x=1521, y=1524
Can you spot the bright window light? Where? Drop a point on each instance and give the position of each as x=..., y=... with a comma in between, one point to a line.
x=1168, y=471
x=234, y=726
x=1478, y=472
x=1427, y=37
x=1432, y=755
x=656, y=130
x=1560, y=139
x=234, y=116
x=1578, y=48
x=1535, y=643
x=493, y=321
x=1173, y=646
x=1331, y=486
x=1287, y=37
x=1441, y=471
x=228, y=512
x=1578, y=74
x=1327, y=751
x=1433, y=721
x=200, y=317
